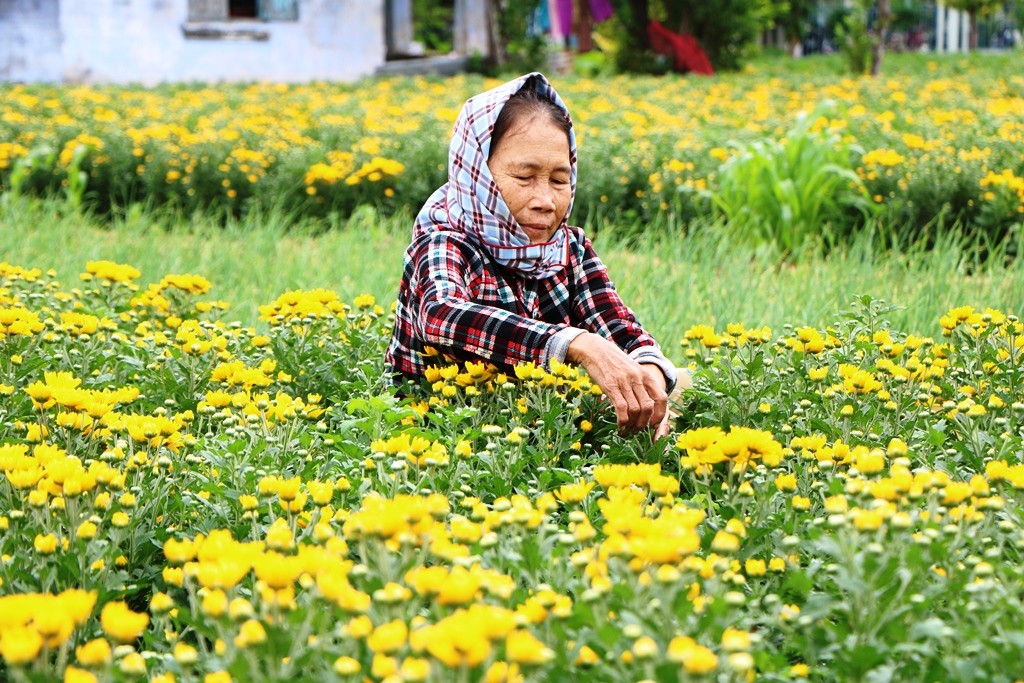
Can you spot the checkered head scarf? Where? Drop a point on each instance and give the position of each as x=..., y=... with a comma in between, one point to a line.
x=470, y=201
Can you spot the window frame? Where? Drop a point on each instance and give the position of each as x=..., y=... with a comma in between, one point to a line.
x=200, y=11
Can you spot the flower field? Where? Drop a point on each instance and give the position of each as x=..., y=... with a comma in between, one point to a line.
x=184, y=498
x=933, y=139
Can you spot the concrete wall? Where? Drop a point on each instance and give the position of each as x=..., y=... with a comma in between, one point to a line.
x=29, y=40
x=471, y=27
x=144, y=41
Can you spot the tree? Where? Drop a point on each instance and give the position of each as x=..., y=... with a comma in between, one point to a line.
x=637, y=17
x=852, y=35
x=975, y=9
x=514, y=48
x=863, y=43
x=792, y=16
x=725, y=29
x=882, y=18
x=625, y=39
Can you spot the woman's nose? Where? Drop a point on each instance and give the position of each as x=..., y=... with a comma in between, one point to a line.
x=544, y=199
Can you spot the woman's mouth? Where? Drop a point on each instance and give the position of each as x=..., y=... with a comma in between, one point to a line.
x=536, y=229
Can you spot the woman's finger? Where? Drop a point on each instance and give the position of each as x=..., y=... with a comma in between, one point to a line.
x=628, y=420
x=614, y=395
x=646, y=406
x=662, y=429
x=660, y=400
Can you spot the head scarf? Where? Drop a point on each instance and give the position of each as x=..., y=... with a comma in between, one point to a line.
x=470, y=201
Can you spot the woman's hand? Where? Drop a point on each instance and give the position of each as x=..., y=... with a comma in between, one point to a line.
x=636, y=391
x=659, y=377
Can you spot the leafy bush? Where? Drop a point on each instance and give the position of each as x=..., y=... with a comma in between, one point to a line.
x=726, y=30
x=432, y=23
x=851, y=31
x=790, y=191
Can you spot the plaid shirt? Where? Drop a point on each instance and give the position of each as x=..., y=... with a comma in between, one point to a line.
x=456, y=299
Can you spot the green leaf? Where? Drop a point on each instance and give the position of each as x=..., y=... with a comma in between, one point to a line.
x=882, y=674
x=937, y=433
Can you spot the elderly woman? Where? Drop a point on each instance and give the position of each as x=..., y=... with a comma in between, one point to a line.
x=494, y=272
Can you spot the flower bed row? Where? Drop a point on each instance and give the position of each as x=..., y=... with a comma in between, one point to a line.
x=943, y=142
x=184, y=498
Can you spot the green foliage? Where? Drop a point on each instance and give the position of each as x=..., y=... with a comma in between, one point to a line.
x=432, y=24
x=77, y=178
x=975, y=7
x=851, y=30
x=624, y=38
x=908, y=14
x=592, y=64
x=839, y=503
x=793, y=16
x=34, y=171
x=726, y=30
x=523, y=51
x=792, y=191
x=265, y=253
x=39, y=171
x=837, y=17
x=649, y=147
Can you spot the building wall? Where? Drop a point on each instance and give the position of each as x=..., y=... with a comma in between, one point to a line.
x=143, y=41
x=29, y=40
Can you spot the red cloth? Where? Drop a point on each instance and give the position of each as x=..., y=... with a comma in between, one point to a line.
x=686, y=53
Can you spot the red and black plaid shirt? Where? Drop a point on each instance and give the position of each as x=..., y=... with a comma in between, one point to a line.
x=456, y=299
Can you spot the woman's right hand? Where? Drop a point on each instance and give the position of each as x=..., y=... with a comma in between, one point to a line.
x=637, y=395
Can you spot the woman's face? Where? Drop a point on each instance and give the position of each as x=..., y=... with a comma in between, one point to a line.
x=531, y=169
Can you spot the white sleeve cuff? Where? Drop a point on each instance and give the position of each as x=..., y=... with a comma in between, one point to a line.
x=652, y=355
x=558, y=345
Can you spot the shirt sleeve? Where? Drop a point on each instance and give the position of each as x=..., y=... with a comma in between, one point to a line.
x=598, y=308
x=652, y=355
x=449, y=318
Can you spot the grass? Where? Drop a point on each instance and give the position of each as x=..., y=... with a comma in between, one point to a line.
x=706, y=278
x=671, y=283
x=250, y=262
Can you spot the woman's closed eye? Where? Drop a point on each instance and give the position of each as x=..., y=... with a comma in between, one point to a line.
x=525, y=180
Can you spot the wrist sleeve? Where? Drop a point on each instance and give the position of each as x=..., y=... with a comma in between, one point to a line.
x=558, y=345
x=651, y=355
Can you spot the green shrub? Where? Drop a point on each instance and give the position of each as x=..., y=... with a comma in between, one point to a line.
x=787, y=192
x=851, y=30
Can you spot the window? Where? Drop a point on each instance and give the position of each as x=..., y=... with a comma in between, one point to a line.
x=223, y=10
x=279, y=10
x=242, y=9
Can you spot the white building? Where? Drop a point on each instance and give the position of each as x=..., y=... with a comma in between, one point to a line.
x=153, y=41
